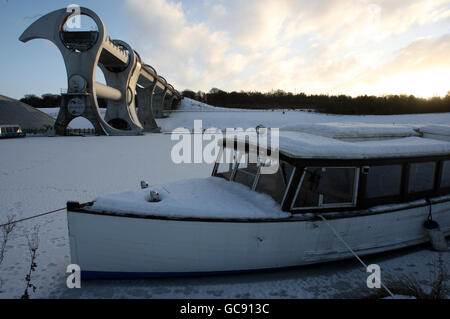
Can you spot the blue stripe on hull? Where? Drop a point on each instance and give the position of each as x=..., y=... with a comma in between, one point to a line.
x=86, y=274
x=12, y=135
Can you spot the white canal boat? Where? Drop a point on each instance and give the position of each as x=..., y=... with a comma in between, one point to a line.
x=374, y=185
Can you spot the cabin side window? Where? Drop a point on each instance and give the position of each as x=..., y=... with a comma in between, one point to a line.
x=445, y=176
x=275, y=184
x=323, y=187
x=421, y=177
x=384, y=181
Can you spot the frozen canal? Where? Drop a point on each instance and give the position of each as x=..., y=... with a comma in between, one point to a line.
x=39, y=174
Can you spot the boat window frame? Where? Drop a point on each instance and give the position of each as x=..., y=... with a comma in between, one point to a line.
x=287, y=182
x=236, y=167
x=402, y=187
x=408, y=167
x=354, y=202
x=216, y=165
x=236, y=163
x=288, y=187
x=440, y=175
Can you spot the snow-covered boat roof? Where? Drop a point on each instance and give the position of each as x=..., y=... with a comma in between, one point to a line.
x=212, y=198
x=361, y=141
x=436, y=129
x=9, y=125
x=357, y=131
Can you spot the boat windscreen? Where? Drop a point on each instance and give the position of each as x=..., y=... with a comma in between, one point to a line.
x=226, y=163
x=246, y=171
x=275, y=184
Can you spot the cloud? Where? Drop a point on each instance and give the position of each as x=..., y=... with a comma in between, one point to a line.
x=422, y=54
x=320, y=46
x=422, y=67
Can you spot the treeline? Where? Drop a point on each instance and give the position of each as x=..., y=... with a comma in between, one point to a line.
x=49, y=100
x=334, y=104
x=43, y=101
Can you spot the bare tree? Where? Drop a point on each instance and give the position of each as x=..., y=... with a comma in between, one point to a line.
x=33, y=245
x=6, y=231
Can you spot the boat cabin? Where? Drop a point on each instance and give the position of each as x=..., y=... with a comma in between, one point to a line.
x=344, y=167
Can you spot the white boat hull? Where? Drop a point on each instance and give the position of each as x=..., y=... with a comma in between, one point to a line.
x=118, y=246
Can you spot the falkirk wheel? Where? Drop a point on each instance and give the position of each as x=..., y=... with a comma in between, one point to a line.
x=135, y=94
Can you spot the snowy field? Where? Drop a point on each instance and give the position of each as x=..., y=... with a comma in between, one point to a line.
x=39, y=174
x=191, y=110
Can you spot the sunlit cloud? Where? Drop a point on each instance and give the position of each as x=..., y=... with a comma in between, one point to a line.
x=336, y=47
x=422, y=68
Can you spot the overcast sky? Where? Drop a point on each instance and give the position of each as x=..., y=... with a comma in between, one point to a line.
x=321, y=46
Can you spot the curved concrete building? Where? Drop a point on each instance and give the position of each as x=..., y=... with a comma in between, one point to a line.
x=15, y=112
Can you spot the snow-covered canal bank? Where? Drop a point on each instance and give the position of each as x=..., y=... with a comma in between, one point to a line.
x=39, y=174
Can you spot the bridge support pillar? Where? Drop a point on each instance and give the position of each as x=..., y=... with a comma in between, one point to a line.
x=71, y=108
x=121, y=113
x=168, y=101
x=145, y=109
x=158, y=102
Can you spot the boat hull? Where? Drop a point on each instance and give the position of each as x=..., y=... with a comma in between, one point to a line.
x=108, y=246
x=12, y=135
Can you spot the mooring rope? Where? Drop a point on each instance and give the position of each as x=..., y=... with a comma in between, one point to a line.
x=352, y=251
x=32, y=217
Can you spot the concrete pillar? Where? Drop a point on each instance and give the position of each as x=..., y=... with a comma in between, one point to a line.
x=145, y=108
x=123, y=109
x=159, y=96
x=168, y=102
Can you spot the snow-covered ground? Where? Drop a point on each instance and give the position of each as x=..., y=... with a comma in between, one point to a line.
x=39, y=174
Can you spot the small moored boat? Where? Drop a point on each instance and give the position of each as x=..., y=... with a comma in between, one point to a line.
x=11, y=131
x=375, y=185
